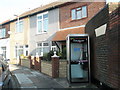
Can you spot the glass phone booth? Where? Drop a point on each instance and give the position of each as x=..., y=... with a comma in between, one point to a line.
x=78, y=57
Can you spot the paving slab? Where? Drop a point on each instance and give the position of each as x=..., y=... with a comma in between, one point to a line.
x=22, y=78
x=28, y=78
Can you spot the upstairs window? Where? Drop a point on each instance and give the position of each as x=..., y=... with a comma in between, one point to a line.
x=19, y=26
x=79, y=13
x=2, y=33
x=42, y=23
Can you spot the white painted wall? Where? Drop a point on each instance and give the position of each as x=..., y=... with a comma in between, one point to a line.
x=6, y=43
x=53, y=27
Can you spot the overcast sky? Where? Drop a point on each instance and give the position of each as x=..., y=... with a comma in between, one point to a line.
x=10, y=7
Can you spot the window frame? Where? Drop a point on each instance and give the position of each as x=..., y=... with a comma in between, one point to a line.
x=42, y=46
x=79, y=10
x=4, y=51
x=16, y=26
x=17, y=48
x=42, y=31
x=1, y=34
x=53, y=48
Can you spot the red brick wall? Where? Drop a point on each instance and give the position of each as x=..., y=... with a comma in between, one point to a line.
x=65, y=13
x=113, y=35
x=114, y=18
x=55, y=67
x=105, y=49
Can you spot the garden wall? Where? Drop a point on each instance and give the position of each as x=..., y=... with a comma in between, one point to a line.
x=63, y=68
x=46, y=67
x=51, y=68
x=25, y=63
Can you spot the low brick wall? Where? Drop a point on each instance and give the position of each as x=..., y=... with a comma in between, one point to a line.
x=63, y=68
x=46, y=67
x=14, y=61
x=25, y=63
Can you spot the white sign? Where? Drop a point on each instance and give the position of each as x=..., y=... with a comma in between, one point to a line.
x=100, y=30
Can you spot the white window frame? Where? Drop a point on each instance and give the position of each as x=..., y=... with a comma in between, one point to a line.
x=18, y=48
x=78, y=9
x=18, y=26
x=53, y=48
x=1, y=32
x=41, y=46
x=4, y=51
x=42, y=22
x=26, y=50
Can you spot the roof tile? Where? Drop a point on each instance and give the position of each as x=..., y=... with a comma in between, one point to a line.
x=61, y=35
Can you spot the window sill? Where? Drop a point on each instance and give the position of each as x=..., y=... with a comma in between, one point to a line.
x=41, y=33
x=18, y=32
x=3, y=37
x=77, y=19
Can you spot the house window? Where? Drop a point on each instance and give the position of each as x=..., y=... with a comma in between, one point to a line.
x=2, y=33
x=42, y=23
x=19, y=51
x=42, y=47
x=19, y=26
x=79, y=13
x=53, y=47
x=26, y=50
x=4, y=51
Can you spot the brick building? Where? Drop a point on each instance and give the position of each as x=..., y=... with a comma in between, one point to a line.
x=4, y=39
x=73, y=18
x=104, y=45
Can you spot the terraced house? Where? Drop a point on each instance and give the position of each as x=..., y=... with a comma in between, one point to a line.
x=32, y=31
x=73, y=17
x=50, y=24
x=44, y=23
x=5, y=39
x=19, y=38
x=45, y=28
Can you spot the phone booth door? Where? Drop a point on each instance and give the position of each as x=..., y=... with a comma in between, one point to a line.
x=78, y=58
